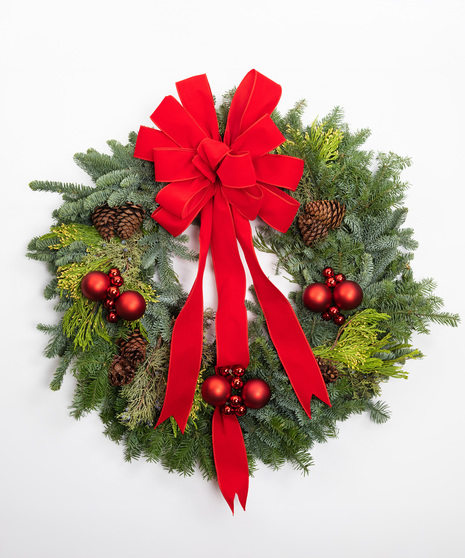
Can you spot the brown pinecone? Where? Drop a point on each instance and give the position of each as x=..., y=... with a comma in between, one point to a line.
x=129, y=220
x=311, y=230
x=103, y=218
x=328, y=370
x=318, y=217
x=121, y=372
x=133, y=348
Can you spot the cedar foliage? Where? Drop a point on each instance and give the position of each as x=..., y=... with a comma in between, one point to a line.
x=371, y=247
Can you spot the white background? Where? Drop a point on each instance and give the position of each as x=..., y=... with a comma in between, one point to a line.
x=75, y=74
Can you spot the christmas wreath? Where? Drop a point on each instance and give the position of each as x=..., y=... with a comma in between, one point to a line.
x=142, y=350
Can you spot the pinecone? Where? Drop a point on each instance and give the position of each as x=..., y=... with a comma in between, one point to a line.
x=133, y=349
x=318, y=217
x=103, y=218
x=121, y=372
x=311, y=230
x=129, y=220
x=328, y=370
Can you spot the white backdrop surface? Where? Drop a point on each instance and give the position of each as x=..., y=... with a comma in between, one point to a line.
x=75, y=74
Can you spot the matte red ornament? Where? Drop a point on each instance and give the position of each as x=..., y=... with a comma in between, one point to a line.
x=339, y=319
x=113, y=292
x=348, y=295
x=328, y=272
x=326, y=316
x=224, y=370
x=238, y=370
x=331, y=282
x=235, y=400
x=237, y=383
x=256, y=393
x=340, y=277
x=333, y=311
x=94, y=285
x=130, y=305
x=117, y=280
x=112, y=317
x=114, y=271
x=317, y=297
x=240, y=411
x=109, y=303
x=216, y=390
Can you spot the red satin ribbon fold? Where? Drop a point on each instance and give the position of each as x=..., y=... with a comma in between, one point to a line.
x=229, y=181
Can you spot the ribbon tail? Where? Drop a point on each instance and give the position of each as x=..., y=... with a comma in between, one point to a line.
x=230, y=458
x=187, y=340
x=284, y=328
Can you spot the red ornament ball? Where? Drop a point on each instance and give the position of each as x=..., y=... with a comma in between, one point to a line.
x=216, y=390
x=240, y=411
x=238, y=370
x=224, y=370
x=317, y=297
x=114, y=272
x=94, y=285
x=113, y=292
x=348, y=295
x=130, y=305
x=109, y=303
x=256, y=393
x=331, y=282
x=112, y=317
x=326, y=316
x=340, y=277
x=236, y=383
x=227, y=410
x=117, y=280
x=328, y=272
x=339, y=319
x=333, y=311
x=235, y=400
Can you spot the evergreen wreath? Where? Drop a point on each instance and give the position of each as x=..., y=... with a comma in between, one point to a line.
x=351, y=220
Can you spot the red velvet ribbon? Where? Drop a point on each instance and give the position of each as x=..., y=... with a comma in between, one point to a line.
x=229, y=182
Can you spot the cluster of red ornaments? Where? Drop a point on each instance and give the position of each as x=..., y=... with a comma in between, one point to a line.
x=217, y=390
x=332, y=296
x=97, y=285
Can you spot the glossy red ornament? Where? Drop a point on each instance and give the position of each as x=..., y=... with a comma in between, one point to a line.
x=117, y=280
x=109, y=303
x=256, y=393
x=235, y=400
x=130, y=305
x=238, y=370
x=317, y=297
x=114, y=271
x=236, y=383
x=227, y=410
x=113, y=292
x=224, y=370
x=331, y=282
x=328, y=272
x=340, y=277
x=339, y=319
x=112, y=317
x=94, y=285
x=348, y=295
x=333, y=311
x=216, y=390
x=240, y=411
x=326, y=316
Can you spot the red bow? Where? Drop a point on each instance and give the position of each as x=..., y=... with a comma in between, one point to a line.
x=229, y=181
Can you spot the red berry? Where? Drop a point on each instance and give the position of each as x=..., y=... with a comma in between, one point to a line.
x=113, y=292
x=117, y=280
x=340, y=277
x=240, y=411
x=328, y=272
x=109, y=303
x=227, y=410
x=235, y=400
x=224, y=370
x=326, y=316
x=339, y=320
x=114, y=272
x=238, y=370
x=112, y=317
x=333, y=311
x=236, y=383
